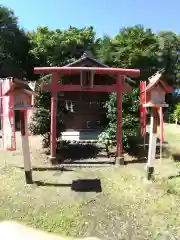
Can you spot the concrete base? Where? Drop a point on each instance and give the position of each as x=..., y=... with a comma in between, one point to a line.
x=150, y=171
x=28, y=176
x=119, y=161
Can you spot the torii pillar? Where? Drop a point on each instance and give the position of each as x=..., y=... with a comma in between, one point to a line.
x=119, y=132
x=53, y=145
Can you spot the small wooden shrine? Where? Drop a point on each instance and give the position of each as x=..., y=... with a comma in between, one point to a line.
x=154, y=93
x=83, y=86
x=21, y=94
x=84, y=109
x=153, y=96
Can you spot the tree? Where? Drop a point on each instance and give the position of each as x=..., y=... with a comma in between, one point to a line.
x=136, y=47
x=14, y=44
x=169, y=59
x=105, y=50
x=52, y=48
x=169, y=56
x=176, y=113
x=133, y=47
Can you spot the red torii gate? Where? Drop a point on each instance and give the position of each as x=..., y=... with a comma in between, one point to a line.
x=55, y=87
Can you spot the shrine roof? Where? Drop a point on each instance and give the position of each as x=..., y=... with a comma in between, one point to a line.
x=84, y=57
x=95, y=63
x=19, y=85
x=156, y=79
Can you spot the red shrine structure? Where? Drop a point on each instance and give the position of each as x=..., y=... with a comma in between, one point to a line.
x=82, y=86
x=153, y=96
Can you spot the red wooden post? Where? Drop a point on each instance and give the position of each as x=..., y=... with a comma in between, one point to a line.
x=119, y=84
x=55, y=78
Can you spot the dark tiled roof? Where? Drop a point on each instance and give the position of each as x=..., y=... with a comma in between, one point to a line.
x=85, y=56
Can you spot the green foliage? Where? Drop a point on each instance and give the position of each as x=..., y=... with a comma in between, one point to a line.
x=52, y=48
x=42, y=118
x=133, y=47
x=105, y=50
x=14, y=44
x=130, y=118
x=176, y=113
x=169, y=55
x=137, y=47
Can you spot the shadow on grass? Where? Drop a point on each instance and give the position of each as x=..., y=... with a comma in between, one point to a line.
x=86, y=185
x=174, y=176
x=140, y=160
x=138, y=148
x=80, y=185
x=41, y=169
x=47, y=184
x=176, y=157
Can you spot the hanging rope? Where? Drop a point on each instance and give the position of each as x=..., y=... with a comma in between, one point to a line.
x=71, y=107
x=66, y=105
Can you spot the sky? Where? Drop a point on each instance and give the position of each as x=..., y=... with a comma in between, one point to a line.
x=106, y=16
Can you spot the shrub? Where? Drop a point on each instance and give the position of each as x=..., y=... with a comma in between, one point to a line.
x=130, y=119
x=176, y=113
x=41, y=123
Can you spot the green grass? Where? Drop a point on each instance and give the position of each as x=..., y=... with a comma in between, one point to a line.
x=129, y=207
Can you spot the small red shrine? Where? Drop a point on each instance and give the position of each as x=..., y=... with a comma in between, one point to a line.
x=22, y=94
x=83, y=87
x=153, y=95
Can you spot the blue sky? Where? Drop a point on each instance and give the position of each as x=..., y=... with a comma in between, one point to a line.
x=106, y=16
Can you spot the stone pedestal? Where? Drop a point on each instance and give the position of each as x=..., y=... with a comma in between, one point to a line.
x=150, y=171
x=53, y=160
x=119, y=161
x=28, y=177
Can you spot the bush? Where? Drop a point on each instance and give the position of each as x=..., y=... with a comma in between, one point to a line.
x=176, y=113
x=41, y=123
x=130, y=119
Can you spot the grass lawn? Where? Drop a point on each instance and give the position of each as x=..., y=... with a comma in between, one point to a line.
x=128, y=207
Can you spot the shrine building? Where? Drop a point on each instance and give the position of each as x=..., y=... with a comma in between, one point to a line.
x=85, y=116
